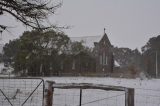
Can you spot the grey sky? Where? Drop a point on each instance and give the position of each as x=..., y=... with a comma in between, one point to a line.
x=128, y=23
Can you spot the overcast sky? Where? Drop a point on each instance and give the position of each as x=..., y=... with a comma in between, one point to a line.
x=128, y=23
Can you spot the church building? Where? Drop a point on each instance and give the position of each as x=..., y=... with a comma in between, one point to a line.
x=101, y=51
x=104, y=55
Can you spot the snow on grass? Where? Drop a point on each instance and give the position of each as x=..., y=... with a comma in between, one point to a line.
x=16, y=92
x=147, y=92
x=133, y=83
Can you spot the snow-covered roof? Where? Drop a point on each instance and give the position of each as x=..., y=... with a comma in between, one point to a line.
x=116, y=63
x=145, y=48
x=87, y=40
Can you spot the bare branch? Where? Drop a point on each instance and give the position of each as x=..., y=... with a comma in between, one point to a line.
x=31, y=13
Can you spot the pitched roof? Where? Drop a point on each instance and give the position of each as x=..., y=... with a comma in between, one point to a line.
x=87, y=40
x=116, y=63
x=105, y=37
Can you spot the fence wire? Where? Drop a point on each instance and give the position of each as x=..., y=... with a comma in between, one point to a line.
x=21, y=92
x=29, y=92
x=147, y=97
x=97, y=97
x=90, y=97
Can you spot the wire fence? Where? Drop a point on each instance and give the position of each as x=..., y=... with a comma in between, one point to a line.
x=96, y=97
x=147, y=97
x=21, y=91
x=30, y=92
x=90, y=97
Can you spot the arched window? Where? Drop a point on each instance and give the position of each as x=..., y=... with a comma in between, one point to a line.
x=73, y=65
x=100, y=59
x=104, y=60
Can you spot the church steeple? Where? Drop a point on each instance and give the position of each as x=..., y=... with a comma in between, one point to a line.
x=105, y=38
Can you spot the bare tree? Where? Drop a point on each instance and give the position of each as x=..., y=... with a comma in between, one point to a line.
x=32, y=13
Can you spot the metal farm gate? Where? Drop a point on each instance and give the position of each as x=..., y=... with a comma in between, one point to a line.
x=87, y=94
x=21, y=92
x=33, y=92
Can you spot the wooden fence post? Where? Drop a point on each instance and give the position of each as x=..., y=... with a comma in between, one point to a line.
x=48, y=93
x=129, y=97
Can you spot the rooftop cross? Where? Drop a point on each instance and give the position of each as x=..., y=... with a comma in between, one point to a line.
x=104, y=30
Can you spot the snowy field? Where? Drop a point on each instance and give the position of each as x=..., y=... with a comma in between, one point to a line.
x=21, y=92
x=147, y=92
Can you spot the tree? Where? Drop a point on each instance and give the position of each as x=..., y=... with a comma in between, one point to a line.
x=149, y=52
x=32, y=13
x=126, y=56
x=77, y=47
x=82, y=57
x=39, y=52
x=10, y=50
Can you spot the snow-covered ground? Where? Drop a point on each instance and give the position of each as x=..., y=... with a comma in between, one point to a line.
x=135, y=83
x=5, y=71
x=21, y=92
x=147, y=92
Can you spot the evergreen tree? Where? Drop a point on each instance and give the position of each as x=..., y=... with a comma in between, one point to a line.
x=151, y=56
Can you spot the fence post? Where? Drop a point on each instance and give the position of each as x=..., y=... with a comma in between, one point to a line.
x=129, y=97
x=48, y=93
x=80, y=98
